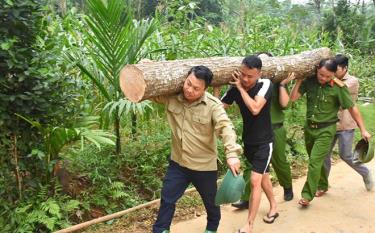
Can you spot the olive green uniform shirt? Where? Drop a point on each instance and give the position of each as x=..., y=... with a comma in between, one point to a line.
x=194, y=128
x=324, y=101
x=277, y=112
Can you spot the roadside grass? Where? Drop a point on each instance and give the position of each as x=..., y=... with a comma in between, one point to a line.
x=368, y=114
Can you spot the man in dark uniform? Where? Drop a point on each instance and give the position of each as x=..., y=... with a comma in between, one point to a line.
x=325, y=96
x=280, y=164
x=253, y=96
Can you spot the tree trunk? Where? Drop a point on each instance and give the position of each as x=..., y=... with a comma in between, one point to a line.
x=62, y=7
x=146, y=80
x=134, y=125
x=117, y=133
x=17, y=170
x=317, y=4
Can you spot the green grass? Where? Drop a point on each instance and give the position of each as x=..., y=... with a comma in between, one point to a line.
x=368, y=114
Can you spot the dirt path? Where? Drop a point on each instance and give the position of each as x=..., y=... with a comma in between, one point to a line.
x=346, y=208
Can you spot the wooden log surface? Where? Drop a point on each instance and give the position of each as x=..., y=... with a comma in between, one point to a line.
x=146, y=80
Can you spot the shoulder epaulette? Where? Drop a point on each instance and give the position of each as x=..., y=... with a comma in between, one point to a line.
x=213, y=98
x=339, y=82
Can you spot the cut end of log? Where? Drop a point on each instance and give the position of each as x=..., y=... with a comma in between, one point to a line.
x=132, y=83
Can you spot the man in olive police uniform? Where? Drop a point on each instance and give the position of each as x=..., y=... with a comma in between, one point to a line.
x=325, y=95
x=345, y=132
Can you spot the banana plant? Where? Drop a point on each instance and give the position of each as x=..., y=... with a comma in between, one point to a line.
x=114, y=39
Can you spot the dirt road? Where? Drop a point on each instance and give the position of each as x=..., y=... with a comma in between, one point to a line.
x=346, y=208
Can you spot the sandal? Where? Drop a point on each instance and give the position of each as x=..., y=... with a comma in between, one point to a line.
x=320, y=193
x=270, y=219
x=303, y=202
x=241, y=231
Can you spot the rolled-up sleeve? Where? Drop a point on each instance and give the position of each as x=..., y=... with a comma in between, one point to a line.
x=225, y=131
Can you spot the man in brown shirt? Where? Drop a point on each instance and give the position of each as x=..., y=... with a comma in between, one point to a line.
x=345, y=132
x=195, y=118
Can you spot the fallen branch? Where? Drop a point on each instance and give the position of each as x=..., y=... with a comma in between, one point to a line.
x=112, y=216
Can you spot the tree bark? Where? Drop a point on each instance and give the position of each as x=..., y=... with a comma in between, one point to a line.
x=146, y=80
x=18, y=173
x=317, y=4
x=117, y=133
x=62, y=7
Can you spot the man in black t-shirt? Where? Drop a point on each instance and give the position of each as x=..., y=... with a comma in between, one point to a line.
x=253, y=96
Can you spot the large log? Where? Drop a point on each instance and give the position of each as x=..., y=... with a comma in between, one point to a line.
x=146, y=80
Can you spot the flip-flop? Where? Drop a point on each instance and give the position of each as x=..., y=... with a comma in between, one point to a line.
x=320, y=193
x=240, y=231
x=304, y=202
x=270, y=219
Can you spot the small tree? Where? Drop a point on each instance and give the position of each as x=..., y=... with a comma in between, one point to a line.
x=34, y=83
x=114, y=39
x=350, y=25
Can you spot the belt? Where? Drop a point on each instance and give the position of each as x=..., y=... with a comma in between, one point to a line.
x=277, y=125
x=319, y=125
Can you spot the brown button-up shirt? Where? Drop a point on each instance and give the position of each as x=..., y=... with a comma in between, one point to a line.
x=194, y=128
x=346, y=121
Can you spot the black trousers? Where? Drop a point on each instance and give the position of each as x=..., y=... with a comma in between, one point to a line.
x=175, y=183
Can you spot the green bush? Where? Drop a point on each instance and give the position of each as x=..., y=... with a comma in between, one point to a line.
x=43, y=212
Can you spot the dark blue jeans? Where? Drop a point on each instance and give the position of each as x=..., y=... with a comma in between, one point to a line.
x=175, y=183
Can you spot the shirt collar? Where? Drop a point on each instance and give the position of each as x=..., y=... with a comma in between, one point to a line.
x=330, y=83
x=203, y=99
x=256, y=83
x=346, y=76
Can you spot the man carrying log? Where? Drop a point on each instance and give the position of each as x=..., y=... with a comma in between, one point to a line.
x=345, y=132
x=325, y=96
x=195, y=116
x=280, y=164
x=253, y=96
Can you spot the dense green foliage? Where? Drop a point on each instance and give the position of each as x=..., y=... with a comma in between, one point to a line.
x=113, y=40
x=59, y=90
x=31, y=73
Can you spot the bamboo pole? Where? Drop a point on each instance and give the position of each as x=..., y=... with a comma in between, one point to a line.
x=112, y=216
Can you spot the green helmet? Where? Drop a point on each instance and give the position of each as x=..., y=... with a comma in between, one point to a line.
x=364, y=151
x=230, y=189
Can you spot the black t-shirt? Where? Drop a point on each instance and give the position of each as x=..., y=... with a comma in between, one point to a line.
x=256, y=129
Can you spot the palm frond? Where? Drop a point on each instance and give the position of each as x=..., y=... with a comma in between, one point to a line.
x=124, y=107
x=116, y=38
